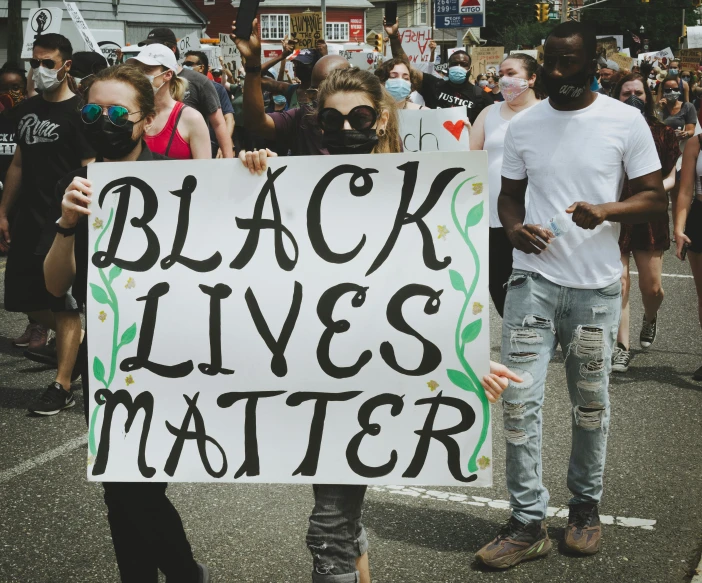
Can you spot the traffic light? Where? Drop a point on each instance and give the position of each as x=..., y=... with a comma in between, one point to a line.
x=542, y=10
x=379, y=43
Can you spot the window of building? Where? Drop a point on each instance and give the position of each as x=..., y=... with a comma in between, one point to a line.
x=209, y=2
x=337, y=31
x=421, y=12
x=274, y=26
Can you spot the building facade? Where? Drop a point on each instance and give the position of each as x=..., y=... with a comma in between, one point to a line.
x=346, y=19
x=409, y=13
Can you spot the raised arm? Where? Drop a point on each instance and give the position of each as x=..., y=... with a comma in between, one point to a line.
x=396, y=47
x=257, y=120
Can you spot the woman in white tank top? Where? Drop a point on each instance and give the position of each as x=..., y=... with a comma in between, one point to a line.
x=520, y=85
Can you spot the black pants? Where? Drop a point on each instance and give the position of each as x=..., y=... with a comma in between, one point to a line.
x=500, y=267
x=147, y=532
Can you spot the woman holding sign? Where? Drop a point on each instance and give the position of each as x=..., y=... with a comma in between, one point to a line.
x=147, y=531
x=520, y=86
x=357, y=117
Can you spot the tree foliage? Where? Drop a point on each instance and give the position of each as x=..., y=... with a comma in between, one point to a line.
x=513, y=22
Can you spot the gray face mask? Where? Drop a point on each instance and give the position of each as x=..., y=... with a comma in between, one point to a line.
x=671, y=96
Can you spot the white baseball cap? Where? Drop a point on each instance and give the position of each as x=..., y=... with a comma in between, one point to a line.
x=156, y=54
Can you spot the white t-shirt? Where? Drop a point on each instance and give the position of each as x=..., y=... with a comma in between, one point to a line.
x=572, y=156
x=495, y=132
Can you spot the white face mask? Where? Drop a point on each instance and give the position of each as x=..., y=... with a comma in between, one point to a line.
x=47, y=79
x=513, y=87
x=151, y=79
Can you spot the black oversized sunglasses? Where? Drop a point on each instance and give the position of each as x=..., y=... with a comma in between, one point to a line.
x=117, y=114
x=46, y=63
x=361, y=117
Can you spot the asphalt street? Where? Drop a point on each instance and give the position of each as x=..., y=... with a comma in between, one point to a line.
x=53, y=525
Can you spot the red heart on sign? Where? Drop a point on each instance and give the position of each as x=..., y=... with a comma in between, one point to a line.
x=455, y=128
x=369, y=60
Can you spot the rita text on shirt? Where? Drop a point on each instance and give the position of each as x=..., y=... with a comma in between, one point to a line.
x=35, y=131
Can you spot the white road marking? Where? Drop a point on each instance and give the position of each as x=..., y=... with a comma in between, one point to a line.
x=667, y=275
x=557, y=512
x=43, y=458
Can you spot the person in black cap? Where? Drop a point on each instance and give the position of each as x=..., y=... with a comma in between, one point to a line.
x=86, y=64
x=200, y=95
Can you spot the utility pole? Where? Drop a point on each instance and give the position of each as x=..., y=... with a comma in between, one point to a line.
x=324, y=19
x=14, y=31
x=564, y=10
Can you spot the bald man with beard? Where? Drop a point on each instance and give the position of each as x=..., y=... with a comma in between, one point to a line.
x=294, y=132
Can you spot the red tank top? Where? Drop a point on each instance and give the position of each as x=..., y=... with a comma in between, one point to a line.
x=179, y=149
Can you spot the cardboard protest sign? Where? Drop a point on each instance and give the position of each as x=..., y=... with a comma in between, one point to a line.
x=40, y=21
x=623, y=61
x=690, y=59
x=326, y=322
x=607, y=45
x=306, y=29
x=434, y=130
x=415, y=43
x=85, y=33
x=486, y=57
x=658, y=57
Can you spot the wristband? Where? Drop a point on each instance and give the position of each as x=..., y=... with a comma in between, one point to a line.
x=66, y=232
x=253, y=69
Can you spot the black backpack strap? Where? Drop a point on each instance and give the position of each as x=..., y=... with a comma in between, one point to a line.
x=175, y=129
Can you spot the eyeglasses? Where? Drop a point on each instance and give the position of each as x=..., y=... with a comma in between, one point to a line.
x=361, y=117
x=46, y=63
x=190, y=64
x=117, y=114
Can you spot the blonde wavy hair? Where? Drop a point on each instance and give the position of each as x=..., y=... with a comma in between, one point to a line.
x=177, y=86
x=358, y=81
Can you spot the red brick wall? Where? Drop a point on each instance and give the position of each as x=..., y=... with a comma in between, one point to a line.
x=222, y=13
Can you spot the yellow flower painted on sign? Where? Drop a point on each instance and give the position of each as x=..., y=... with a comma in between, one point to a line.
x=433, y=385
x=478, y=188
x=102, y=316
x=97, y=223
x=129, y=380
x=130, y=283
x=443, y=231
x=484, y=463
x=477, y=308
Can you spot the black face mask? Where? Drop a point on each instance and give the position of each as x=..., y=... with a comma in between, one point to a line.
x=110, y=141
x=636, y=102
x=350, y=141
x=564, y=90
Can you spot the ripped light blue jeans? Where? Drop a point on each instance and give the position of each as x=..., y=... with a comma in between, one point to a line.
x=539, y=315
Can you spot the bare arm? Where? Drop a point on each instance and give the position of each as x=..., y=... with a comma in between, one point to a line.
x=681, y=203
x=13, y=185
x=396, y=47
x=511, y=209
x=196, y=134
x=669, y=181
x=224, y=139
x=477, y=132
x=276, y=87
x=257, y=120
x=60, y=264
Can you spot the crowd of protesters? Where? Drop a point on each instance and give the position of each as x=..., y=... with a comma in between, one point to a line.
x=581, y=157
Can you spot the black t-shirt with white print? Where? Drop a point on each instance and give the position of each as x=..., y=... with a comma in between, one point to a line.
x=440, y=94
x=7, y=142
x=50, y=138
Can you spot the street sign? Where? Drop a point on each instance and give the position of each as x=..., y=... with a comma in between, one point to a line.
x=459, y=13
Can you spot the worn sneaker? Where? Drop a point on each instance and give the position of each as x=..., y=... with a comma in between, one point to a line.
x=23, y=341
x=203, y=574
x=620, y=358
x=516, y=542
x=648, y=333
x=54, y=399
x=584, y=532
x=45, y=354
x=38, y=337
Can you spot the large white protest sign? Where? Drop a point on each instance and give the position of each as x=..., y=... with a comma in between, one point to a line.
x=366, y=60
x=190, y=42
x=230, y=54
x=40, y=21
x=326, y=322
x=694, y=37
x=434, y=130
x=658, y=57
x=415, y=43
x=85, y=33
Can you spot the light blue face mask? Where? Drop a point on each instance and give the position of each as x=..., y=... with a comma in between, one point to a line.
x=398, y=88
x=672, y=71
x=457, y=75
x=279, y=99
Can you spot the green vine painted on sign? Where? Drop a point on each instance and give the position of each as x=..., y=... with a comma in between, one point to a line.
x=107, y=297
x=469, y=332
